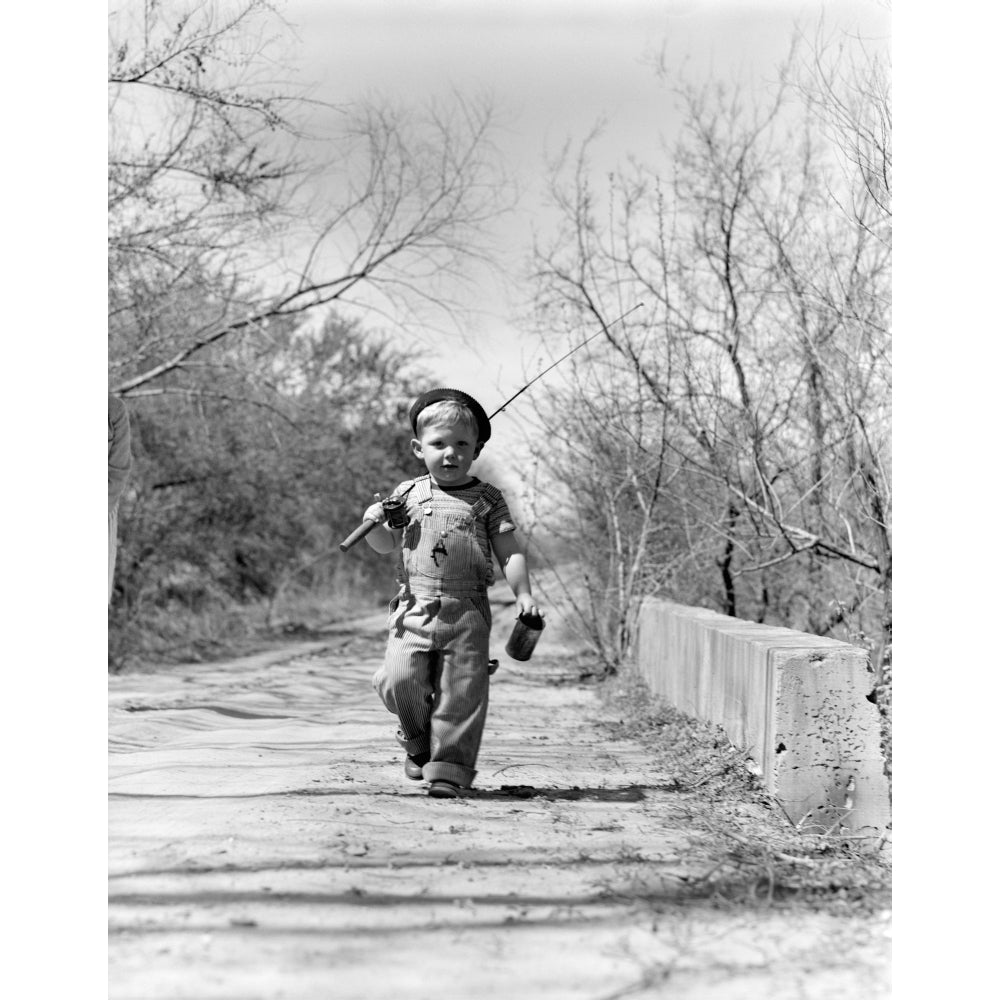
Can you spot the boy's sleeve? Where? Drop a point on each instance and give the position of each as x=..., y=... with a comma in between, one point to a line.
x=499, y=519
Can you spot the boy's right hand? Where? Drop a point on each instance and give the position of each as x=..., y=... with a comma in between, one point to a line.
x=376, y=513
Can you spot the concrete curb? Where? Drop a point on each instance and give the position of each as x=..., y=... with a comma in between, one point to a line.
x=796, y=703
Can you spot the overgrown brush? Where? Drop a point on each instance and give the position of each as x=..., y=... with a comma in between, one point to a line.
x=178, y=633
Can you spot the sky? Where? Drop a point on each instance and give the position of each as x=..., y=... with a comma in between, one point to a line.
x=555, y=70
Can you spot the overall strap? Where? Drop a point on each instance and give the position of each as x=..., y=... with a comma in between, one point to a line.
x=422, y=490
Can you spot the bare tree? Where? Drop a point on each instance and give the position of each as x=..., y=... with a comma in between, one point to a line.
x=610, y=455
x=244, y=195
x=763, y=348
x=848, y=89
x=846, y=83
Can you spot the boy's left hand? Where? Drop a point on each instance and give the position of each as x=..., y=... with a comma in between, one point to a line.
x=526, y=606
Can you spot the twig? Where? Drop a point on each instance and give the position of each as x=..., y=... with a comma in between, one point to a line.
x=509, y=766
x=809, y=862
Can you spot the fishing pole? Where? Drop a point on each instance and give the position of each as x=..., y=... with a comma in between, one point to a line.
x=528, y=385
x=395, y=507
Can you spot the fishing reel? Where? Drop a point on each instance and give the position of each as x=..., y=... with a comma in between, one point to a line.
x=394, y=515
x=395, y=512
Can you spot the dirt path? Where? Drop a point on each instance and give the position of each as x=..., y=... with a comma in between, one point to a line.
x=264, y=843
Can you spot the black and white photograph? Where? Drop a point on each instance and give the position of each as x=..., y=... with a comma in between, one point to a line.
x=500, y=521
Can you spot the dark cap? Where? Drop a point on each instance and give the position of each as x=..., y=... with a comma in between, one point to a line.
x=436, y=395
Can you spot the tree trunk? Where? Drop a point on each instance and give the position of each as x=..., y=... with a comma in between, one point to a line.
x=725, y=564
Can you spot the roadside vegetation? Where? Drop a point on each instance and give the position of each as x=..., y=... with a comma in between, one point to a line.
x=248, y=223
x=765, y=861
x=727, y=443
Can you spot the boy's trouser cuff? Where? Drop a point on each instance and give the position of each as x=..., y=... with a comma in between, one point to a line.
x=418, y=745
x=442, y=770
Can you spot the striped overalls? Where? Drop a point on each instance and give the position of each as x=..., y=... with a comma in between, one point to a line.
x=435, y=677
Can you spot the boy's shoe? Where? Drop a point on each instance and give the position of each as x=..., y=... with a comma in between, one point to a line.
x=414, y=766
x=442, y=789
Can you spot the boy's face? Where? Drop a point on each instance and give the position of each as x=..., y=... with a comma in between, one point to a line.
x=448, y=451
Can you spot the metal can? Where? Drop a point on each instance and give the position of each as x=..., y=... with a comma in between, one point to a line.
x=524, y=636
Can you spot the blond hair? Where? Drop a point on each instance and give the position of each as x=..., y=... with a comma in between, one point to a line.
x=445, y=413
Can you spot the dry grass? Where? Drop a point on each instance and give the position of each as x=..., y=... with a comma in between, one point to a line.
x=179, y=634
x=755, y=856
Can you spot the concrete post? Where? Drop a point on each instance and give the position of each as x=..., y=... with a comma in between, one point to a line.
x=797, y=704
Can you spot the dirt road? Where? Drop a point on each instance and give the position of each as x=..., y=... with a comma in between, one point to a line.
x=264, y=843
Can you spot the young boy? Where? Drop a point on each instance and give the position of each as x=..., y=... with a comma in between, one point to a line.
x=435, y=677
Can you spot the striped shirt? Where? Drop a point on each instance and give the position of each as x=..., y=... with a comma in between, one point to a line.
x=496, y=522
